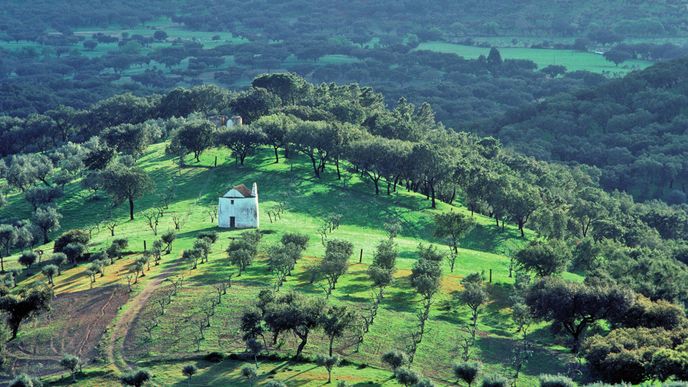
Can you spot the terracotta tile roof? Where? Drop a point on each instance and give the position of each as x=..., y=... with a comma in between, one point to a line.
x=243, y=190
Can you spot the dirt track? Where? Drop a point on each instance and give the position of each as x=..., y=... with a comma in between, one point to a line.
x=121, y=331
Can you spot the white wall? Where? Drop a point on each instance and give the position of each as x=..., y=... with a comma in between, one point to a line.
x=244, y=210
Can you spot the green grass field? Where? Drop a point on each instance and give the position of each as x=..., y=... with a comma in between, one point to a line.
x=308, y=201
x=572, y=60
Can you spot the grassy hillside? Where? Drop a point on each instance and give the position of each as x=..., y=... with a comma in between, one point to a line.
x=125, y=342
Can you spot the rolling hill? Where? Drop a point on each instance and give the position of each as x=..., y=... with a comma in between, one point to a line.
x=111, y=326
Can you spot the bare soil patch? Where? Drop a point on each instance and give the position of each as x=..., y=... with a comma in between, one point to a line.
x=75, y=325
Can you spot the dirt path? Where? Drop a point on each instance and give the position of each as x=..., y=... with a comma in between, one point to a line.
x=114, y=349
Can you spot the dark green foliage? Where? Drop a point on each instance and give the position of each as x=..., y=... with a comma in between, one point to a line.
x=193, y=136
x=406, y=376
x=300, y=240
x=27, y=258
x=467, y=371
x=544, y=259
x=336, y=262
x=72, y=236
x=39, y=196
x=189, y=370
x=381, y=271
x=634, y=355
x=242, y=251
x=426, y=273
x=129, y=139
x=335, y=322
x=214, y=357
x=495, y=381
x=136, y=378
x=575, y=307
x=24, y=380
x=210, y=236
x=293, y=313
x=250, y=372
x=74, y=251
x=555, y=381
x=395, y=359
x=453, y=226
x=126, y=184
x=50, y=271
x=588, y=127
x=71, y=363
x=48, y=220
x=25, y=305
x=652, y=314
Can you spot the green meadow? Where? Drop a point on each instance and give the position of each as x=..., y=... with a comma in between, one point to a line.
x=543, y=57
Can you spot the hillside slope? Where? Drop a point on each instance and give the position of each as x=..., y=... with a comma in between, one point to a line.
x=164, y=349
x=633, y=129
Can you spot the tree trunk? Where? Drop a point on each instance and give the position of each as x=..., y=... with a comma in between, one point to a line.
x=276, y=155
x=432, y=193
x=302, y=345
x=331, y=344
x=131, y=208
x=339, y=174
x=316, y=169
x=15, y=330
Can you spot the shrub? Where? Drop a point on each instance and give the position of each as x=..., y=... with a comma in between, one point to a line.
x=74, y=251
x=555, y=381
x=300, y=240
x=467, y=371
x=189, y=370
x=495, y=381
x=24, y=380
x=214, y=357
x=27, y=258
x=210, y=236
x=72, y=236
x=394, y=359
x=406, y=376
x=135, y=378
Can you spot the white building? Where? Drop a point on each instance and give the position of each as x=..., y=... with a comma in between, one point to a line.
x=238, y=208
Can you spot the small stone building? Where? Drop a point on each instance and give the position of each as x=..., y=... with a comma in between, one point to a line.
x=238, y=208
